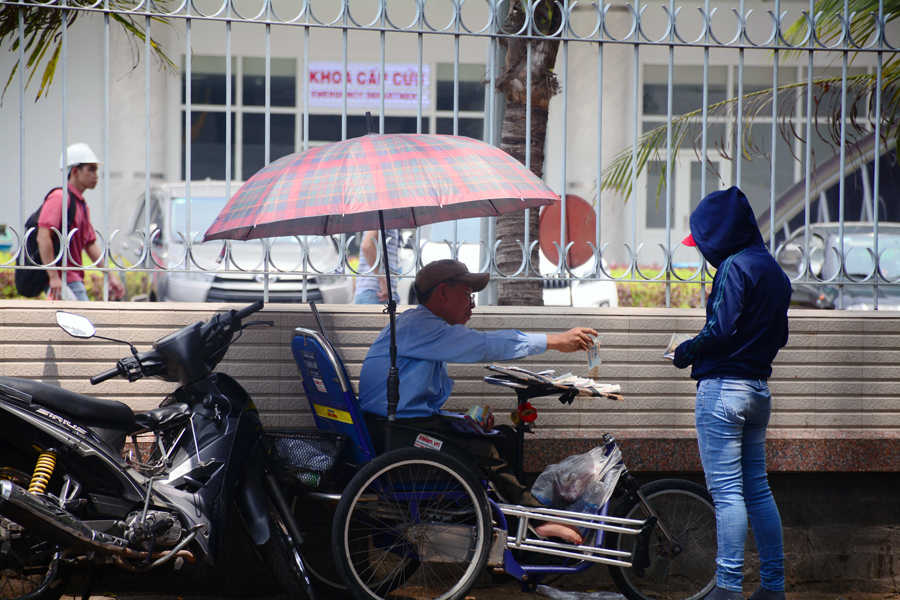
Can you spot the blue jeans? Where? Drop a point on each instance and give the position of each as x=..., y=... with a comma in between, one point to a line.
x=367, y=297
x=732, y=415
x=371, y=297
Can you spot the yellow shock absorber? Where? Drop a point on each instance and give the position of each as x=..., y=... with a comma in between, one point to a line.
x=42, y=472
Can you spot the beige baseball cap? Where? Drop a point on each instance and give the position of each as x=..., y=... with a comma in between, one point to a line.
x=441, y=270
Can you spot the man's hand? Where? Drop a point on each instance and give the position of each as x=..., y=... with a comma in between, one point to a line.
x=116, y=289
x=45, y=247
x=55, y=285
x=382, y=289
x=575, y=339
x=489, y=423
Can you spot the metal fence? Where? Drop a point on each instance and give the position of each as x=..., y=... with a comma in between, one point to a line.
x=803, y=117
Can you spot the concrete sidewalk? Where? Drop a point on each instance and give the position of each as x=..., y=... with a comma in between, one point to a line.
x=506, y=591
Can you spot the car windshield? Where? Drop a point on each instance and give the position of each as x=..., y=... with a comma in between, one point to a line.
x=204, y=210
x=467, y=229
x=859, y=262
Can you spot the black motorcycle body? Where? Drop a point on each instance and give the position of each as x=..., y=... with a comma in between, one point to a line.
x=68, y=496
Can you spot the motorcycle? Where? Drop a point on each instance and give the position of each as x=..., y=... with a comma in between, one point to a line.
x=68, y=497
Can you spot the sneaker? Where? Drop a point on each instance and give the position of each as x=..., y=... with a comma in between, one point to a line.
x=720, y=593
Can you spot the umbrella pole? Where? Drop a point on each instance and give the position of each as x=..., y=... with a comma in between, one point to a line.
x=393, y=379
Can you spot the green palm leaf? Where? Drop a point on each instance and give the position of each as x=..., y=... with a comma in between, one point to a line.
x=42, y=31
x=624, y=169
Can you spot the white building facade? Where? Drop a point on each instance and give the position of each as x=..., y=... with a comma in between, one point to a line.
x=304, y=74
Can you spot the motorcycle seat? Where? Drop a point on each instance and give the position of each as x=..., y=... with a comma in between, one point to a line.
x=158, y=418
x=72, y=404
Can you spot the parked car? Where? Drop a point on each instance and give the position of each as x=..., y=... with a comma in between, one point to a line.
x=207, y=280
x=557, y=292
x=824, y=245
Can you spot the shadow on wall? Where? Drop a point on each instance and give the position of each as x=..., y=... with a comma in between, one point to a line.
x=51, y=370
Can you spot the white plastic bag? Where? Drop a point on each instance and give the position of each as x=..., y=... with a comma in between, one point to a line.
x=581, y=483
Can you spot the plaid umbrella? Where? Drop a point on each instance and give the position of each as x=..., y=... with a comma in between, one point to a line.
x=379, y=182
x=412, y=179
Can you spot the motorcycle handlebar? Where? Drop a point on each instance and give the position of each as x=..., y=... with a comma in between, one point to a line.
x=105, y=375
x=248, y=310
x=215, y=335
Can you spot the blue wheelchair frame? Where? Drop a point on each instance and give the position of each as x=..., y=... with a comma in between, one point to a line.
x=335, y=408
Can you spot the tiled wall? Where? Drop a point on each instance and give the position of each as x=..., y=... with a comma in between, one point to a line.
x=839, y=371
x=834, y=440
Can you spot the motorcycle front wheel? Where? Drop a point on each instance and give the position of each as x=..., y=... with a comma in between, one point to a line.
x=285, y=561
x=314, y=517
x=30, y=568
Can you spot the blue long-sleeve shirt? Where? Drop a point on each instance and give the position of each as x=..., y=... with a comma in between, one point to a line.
x=425, y=344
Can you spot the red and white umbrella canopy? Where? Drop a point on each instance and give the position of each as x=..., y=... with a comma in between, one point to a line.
x=413, y=179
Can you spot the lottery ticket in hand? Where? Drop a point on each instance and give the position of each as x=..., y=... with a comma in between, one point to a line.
x=677, y=340
x=594, y=353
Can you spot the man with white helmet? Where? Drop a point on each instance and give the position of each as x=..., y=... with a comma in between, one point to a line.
x=82, y=165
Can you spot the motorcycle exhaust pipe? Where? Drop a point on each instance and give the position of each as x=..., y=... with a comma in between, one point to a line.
x=36, y=513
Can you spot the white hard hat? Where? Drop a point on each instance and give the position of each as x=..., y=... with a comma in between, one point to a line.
x=78, y=154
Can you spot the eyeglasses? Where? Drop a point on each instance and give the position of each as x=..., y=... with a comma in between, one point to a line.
x=470, y=295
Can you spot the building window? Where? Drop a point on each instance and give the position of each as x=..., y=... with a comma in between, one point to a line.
x=755, y=173
x=248, y=94
x=248, y=108
x=471, y=100
x=282, y=77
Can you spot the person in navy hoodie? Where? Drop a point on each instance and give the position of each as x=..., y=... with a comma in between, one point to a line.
x=731, y=359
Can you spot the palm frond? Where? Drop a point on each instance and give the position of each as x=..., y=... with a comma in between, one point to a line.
x=42, y=31
x=625, y=167
x=862, y=25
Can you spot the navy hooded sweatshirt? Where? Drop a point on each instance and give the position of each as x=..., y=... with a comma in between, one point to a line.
x=746, y=313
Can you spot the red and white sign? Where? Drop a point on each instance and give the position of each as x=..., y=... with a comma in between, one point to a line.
x=424, y=441
x=401, y=85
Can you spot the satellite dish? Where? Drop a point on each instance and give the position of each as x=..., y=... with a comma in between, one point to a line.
x=580, y=228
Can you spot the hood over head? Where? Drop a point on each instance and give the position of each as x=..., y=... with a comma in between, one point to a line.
x=723, y=224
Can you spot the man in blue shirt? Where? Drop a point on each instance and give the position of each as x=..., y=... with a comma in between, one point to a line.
x=430, y=336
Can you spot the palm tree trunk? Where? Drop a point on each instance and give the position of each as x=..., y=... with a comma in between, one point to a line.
x=511, y=227
x=513, y=84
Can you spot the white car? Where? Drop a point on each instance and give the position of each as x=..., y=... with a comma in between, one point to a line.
x=207, y=280
x=557, y=292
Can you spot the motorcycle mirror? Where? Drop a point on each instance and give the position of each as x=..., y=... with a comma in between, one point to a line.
x=75, y=325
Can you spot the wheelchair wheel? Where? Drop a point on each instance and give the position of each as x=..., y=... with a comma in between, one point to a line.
x=412, y=523
x=687, y=571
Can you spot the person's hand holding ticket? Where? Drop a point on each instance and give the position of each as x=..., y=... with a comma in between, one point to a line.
x=677, y=340
x=573, y=340
x=483, y=415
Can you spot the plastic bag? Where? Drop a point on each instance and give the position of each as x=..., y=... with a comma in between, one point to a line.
x=581, y=483
x=556, y=594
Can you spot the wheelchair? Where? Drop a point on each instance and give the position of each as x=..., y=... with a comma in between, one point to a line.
x=423, y=522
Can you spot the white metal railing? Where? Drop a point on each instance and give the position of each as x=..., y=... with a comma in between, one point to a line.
x=637, y=28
